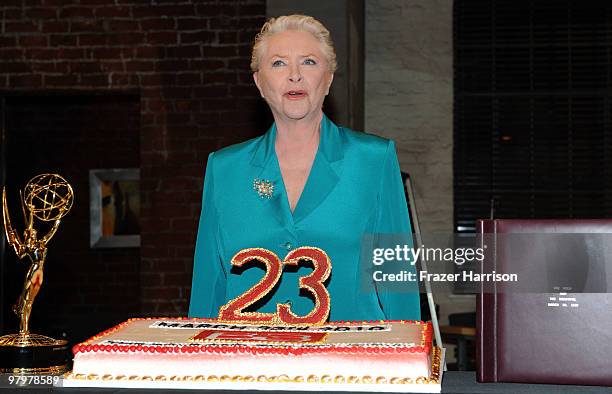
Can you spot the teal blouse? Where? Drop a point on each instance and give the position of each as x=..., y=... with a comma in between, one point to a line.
x=354, y=188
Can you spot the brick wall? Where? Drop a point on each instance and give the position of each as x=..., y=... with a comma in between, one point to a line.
x=188, y=62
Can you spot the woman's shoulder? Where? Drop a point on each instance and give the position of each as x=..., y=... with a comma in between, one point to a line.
x=366, y=142
x=237, y=151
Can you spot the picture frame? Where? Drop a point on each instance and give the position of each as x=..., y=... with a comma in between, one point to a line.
x=114, y=203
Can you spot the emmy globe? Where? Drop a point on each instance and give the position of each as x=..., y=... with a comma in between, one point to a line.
x=46, y=198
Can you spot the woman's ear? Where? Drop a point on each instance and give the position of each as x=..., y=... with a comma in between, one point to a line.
x=256, y=80
x=331, y=79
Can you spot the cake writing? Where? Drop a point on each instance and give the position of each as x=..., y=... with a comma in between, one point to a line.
x=259, y=336
x=182, y=325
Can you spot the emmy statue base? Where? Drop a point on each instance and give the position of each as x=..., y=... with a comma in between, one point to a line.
x=27, y=353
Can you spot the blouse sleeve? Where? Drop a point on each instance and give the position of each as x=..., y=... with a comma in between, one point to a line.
x=209, y=278
x=398, y=303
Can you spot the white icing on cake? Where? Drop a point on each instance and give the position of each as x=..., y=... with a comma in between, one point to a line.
x=399, y=350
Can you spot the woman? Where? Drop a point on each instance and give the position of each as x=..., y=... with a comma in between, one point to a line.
x=306, y=182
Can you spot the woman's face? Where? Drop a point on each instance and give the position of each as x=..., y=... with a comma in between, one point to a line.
x=293, y=75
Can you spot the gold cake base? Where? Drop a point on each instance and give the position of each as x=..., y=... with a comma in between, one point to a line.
x=27, y=353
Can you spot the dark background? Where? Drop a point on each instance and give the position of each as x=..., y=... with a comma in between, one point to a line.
x=99, y=84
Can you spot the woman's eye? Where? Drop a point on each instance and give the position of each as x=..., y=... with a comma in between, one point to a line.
x=309, y=62
x=277, y=63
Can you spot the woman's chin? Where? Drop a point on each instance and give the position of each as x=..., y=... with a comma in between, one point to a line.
x=299, y=114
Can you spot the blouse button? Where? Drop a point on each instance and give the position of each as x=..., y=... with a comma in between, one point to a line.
x=288, y=246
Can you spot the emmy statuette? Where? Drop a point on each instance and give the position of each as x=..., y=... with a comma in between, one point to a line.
x=48, y=198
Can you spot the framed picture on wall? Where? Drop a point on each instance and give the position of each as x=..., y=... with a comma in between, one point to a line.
x=114, y=208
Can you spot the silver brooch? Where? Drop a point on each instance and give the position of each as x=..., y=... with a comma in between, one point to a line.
x=263, y=187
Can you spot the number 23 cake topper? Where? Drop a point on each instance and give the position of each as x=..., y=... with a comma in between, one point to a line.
x=313, y=283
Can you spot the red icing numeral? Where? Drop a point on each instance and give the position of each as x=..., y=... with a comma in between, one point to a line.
x=313, y=283
x=233, y=310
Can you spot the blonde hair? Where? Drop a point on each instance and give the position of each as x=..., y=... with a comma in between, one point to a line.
x=294, y=22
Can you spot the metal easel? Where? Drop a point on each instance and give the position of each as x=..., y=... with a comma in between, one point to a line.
x=421, y=262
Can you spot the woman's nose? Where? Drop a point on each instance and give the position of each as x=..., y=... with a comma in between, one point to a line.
x=295, y=75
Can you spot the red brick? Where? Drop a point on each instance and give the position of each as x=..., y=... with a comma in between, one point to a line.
x=70, y=53
x=107, y=53
x=177, y=92
x=53, y=2
x=25, y=81
x=174, y=265
x=189, y=79
x=41, y=54
x=157, y=24
x=250, y=21
x=184, y=225
x=112, y=66
x=125, y=39
x=55, y=27
x=224, y=23
x=213, y=104
x=165, y=10
x=6, y=42
x=179, y=279
x=162, y=38
x=123, y=26
x=119, y=79
x=140, y=66
x=76, y=12
x=13, y=13
x=152, y=279
x=33, y=41
x=112, y=12
x=14, y=67
x=153, y=79
x=207, y=64
x=242, y=63
x=228, y=37
x=218, y=77
x=251, y=10
x=247, y=36
x=245, y=50
x=85, y=67
x=12, y=3
x=60, y=80
x=148, y=52
x=92, y=39
x=191, y=51
x=216, y=9
x=243, y=91
x=20, y=27
x=156, y=105
x=223, y=52
x=41, y=13
x=160, y=293
x=200, y=37
x=184, y=24
x=94, y=80
x=178, y=119
x=45, y=67
x=94, y=2
x=131, y=2
x=62, y=40
x=87, y=26
x=172, y=65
